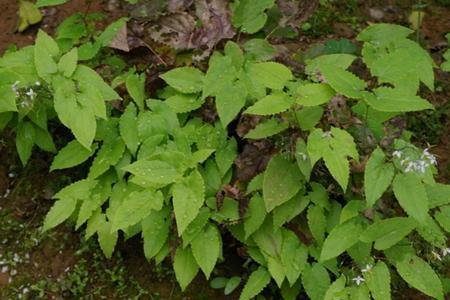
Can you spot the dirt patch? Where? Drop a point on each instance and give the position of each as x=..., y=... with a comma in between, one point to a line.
x=53, y=16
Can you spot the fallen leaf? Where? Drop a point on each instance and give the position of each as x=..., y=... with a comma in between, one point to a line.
x=28, y=15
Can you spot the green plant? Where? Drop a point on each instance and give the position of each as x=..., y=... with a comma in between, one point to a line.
x=446, y=65
x=310, y=221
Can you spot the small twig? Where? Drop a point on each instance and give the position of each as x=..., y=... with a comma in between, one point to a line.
x=155, y=53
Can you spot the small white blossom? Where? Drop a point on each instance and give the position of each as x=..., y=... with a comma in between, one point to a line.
x=397, y=153
x=358, y=280
x=38, y=83
x=30, y=93
x=326, y=134
x=367, y=268
x=445, y=251
x=436, y=255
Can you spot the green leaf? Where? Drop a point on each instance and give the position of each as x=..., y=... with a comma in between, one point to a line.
x=68, y=62
x=266, y=128
x=269, y=239
x=42, y=3
x=7, y=99
x=443, y=217
x=313, y=94
x=183, y=103
x=220, y=75
x=91, y=78
x=250, y=14
x=83, y=125
x=317, y=223
x=308, y=117
x=45, y=52
x=270, y=105
x=271, y=74
x=282, y=180
x=438, y=194
x=233, y=51
x=154, y=172
x=107, y=239
x=218, y=282
x=229, y=101
x=25, y=136
x=289, y=210
x=316, y=281
x=184, y=266
x=188, y=198
x=259, y=49
x=255, y=215
x=276, y=270
x=342, y=237
x=232, y=284
x=342, y=61
x=293, y=256
x=135, y=84
x=334, y=146
x=395, y=100
x=302, y=158
x=410, y=193
x=432, y=233
x=257, y=281
x=155, y=231
x=336, y=288
x=206, y=248
x=128, y=127
x=378, y=279
x=108, y=155
x=225, y=156
x=99, y=194
x=71, y=155
x=79, y=190
x=343, y=82
x=388, y=232
x=185, y=79
x=136, y=207
x=59, y=212
x=195, y=226
x=383, y=34
x=377, y=176
x=417, y=273
x=29, y=14
x=44, y=140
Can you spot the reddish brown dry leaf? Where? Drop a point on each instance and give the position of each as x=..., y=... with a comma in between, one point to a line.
x=179, y=29
x=296, y=12
x=175, y=30
x=174, y=6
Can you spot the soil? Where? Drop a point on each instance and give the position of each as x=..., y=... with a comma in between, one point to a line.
x=55, y=265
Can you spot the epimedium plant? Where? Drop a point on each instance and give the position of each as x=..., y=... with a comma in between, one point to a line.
x=157, y=168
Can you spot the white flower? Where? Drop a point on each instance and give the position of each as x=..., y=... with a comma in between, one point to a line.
x=326, y=134
x=358, y=280
x=30, y=93
x=436, y=255
x=367, y=268
x=38, y=83
x=445, y=251
x=397, y=153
